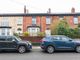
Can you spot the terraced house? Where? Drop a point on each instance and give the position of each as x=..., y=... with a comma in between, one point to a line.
x=35, y=22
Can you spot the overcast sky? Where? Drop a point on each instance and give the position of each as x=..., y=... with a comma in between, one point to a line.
x=39, y=6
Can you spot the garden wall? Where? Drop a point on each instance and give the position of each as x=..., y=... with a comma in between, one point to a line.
x=33, y=39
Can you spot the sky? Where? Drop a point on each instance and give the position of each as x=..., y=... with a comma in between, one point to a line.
x=39, y=6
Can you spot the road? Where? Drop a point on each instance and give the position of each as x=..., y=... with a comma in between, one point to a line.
x=38, y=54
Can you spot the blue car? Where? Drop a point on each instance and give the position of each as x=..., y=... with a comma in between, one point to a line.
x=59, y=42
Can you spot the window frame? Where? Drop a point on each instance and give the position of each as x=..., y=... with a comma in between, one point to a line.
x=34, y=21
x=48, y=20
x=20, y=21
x=75, y=20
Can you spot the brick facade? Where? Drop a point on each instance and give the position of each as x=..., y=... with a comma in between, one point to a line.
x=41, y=21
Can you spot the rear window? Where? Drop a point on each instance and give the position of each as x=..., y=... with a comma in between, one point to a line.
x=56, y=38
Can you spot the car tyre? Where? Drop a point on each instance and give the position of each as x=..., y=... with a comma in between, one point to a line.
x=22, y=49
x=50, y=49
x=78, y=49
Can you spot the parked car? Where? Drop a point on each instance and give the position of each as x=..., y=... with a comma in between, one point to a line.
x=14, y=43
x=59, y=43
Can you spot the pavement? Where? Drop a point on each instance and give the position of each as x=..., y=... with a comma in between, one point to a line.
x=36, y=47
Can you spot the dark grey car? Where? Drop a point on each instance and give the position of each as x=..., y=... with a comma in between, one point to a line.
x=14, y=43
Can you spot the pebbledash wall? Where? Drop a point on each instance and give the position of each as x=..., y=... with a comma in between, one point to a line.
x=35, y=22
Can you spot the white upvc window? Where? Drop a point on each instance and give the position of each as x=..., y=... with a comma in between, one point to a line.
x=75, y=20
x=5, y=31
x=20, y=20
x=61, y=18
x=33, y=31
x=34, y=20
x=48, y=20
x=5, y=21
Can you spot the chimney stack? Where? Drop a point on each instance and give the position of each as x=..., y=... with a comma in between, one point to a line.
x=49, y=10
x=73, y=10
x=25, y=9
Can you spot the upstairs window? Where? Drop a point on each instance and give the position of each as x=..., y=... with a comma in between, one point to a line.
x=61, y=18
x=5, y=21
x=33, y=20
x=48, y=20
x=75, y=20
x=19, y=21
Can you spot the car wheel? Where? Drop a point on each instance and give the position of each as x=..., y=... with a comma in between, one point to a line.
x=22, y=49
x=78, y=49
x=50, y=49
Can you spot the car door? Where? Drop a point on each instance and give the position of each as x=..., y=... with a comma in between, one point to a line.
x=11, y=43
x=67, y=43
x=57, y=42
x=2, y=42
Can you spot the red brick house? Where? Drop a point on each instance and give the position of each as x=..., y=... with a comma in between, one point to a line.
x=41, y=22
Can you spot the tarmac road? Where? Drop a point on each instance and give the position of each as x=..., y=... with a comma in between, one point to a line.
x=38, y=54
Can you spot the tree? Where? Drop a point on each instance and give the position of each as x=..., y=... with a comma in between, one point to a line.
x=54, y=26
x=63, y=28
x=78, y=25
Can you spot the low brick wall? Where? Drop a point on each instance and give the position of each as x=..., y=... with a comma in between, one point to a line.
x=33, y=39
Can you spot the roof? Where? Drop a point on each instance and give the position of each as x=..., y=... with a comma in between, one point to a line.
x=41, y=14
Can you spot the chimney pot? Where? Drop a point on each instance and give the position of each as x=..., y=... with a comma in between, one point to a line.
x=25, y=9
x=73, y=10
x=49, y=10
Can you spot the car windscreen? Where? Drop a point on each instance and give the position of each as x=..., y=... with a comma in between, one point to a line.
x=18, y=38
